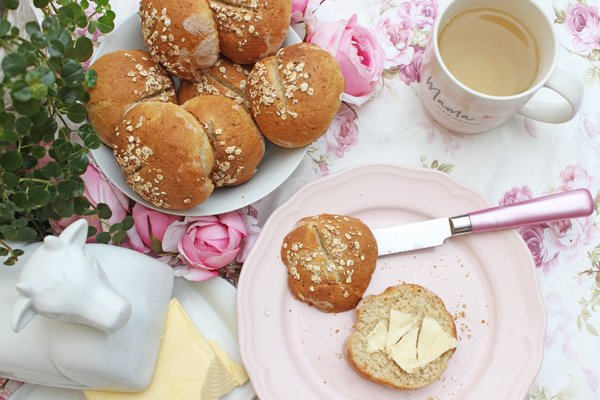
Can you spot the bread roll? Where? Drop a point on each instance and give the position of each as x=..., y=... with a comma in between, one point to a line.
x=165, y=155
x=124, y=78
x=378, y=366
x=225, y=78
x=237, y=143
x=251, y=29
x=295, y=94
x=180, y=34
x=330, y=260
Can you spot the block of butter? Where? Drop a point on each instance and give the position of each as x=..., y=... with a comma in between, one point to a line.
x=188, y=366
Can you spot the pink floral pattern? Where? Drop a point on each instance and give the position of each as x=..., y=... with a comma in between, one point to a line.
x=404, y=31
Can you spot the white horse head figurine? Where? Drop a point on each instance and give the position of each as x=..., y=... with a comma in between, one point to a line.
x=62, y=280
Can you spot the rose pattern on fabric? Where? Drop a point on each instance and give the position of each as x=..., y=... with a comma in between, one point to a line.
x=358, y=53
x=404, y=31
x=342, y=134
x=583, y=22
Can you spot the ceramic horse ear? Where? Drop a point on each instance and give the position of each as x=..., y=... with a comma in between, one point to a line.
x=62, y=280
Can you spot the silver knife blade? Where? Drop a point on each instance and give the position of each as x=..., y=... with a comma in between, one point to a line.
x=418, y=235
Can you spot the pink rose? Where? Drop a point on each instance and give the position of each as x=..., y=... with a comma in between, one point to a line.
x=590, y=129
x=412, y=72
x=150, y=227
x=583, y=23
x=418, y=14
x=574, y=177
x=358, y=52
x=98, y=190
x=395, y=39
x=206, y=243
x=533, y=236
x=516, y=194
x=343, y=132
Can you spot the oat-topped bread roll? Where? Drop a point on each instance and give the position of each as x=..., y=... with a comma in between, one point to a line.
x=124, y=78
x=330, y=260
x=181, y=35
x=225, y=78
x=165, y=155
x=402, y=338
x=295, y=94
x=251, y=29
x=237, y=143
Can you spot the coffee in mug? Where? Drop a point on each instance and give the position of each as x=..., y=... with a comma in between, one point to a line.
x=485, y=62
x=490, y=51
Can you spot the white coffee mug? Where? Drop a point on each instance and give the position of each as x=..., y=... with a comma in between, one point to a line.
x=460, y=109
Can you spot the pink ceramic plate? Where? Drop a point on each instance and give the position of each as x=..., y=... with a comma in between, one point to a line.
x=487, y=281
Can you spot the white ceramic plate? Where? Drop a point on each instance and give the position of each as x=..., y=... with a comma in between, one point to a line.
x=276, y=166
x=211, y=305
x=487, y=281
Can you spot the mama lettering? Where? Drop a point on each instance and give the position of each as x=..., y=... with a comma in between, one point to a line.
x=444, y=107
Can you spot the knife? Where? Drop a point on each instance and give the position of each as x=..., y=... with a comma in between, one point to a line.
x=420, y=235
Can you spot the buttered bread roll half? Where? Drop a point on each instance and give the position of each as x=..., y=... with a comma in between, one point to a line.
x=165, y=155
x=330, y=260
x=251, y=29
x=295, y=94
x=402, y=338
x=124, y=78
x=237, y=143
x=180, y=34
x=225, y=78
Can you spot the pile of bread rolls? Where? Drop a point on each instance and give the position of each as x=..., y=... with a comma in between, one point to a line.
x=177, y=143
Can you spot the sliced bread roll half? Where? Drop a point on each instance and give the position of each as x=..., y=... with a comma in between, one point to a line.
x=386, y=323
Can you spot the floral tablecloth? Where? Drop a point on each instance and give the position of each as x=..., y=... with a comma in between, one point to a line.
x=382, y=120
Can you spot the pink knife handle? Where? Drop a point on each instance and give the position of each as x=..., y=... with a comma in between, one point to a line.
x=565, y=205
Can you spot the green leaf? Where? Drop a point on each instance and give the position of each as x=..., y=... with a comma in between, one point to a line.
x=32, y=27
x=28, y=108
x=63, y=208
x=40, y=3
x=56, y=48
x=14, y=31
x=20, y=92
x=72, y=73
x=23, y=125
x=38, y=91
x=92, y=141
x=91, y=231
x=83, y=48
x=69, y=188
x=104, y=211
x=9, y=4
x=38, y=40
x=92, y=27
x=50, y=24
x=47, y=76
x=4, y=27
x=53, y=170
x=20, y=200
x=3, y=252
x=89, y=80
x=77, y=113
x=38, y=152
x=39, y=196
x=103, y=237
x=118, y=237
x=13, y=64
x=11, y=180
x=83, y=206
x=11, y=160
x=127, y=223
x=105, y=24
